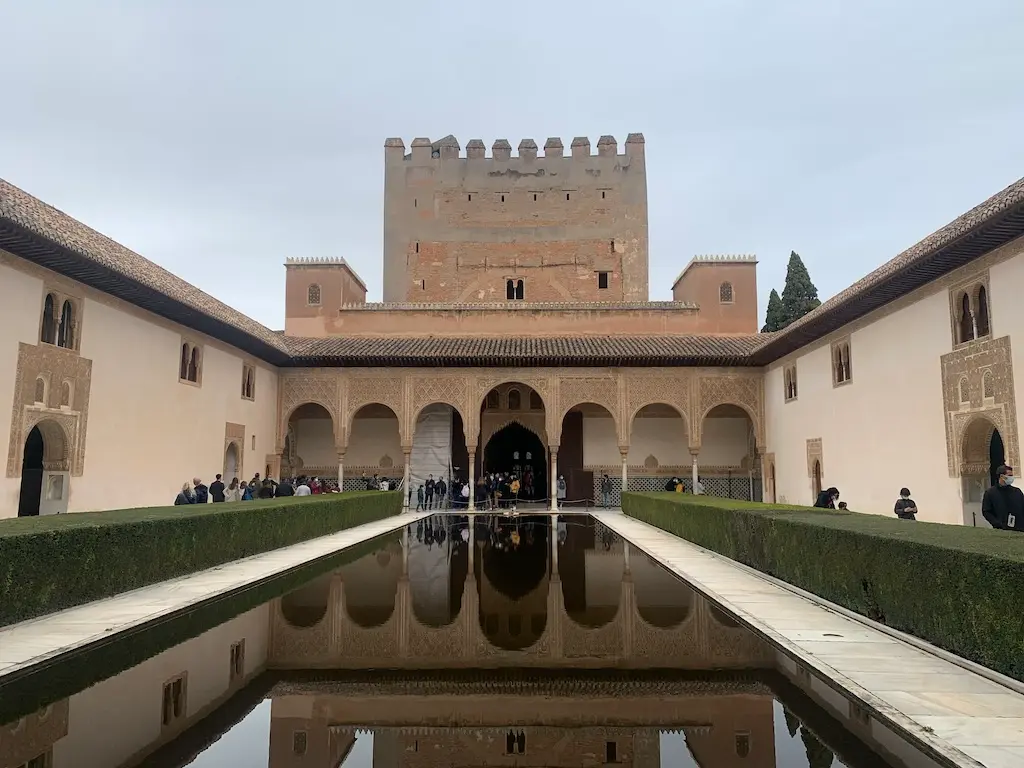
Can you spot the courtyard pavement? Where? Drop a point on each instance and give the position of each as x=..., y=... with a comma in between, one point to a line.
x=32, y=642
x=959, y=713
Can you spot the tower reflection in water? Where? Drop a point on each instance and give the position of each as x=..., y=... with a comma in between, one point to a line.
x=528, y=641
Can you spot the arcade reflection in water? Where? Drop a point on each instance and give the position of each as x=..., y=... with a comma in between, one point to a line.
x=531, y=641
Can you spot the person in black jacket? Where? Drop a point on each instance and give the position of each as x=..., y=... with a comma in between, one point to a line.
x=202, y=492
x=906, y=507
x=217, y=490
x=827, y=499
x=1003, y=503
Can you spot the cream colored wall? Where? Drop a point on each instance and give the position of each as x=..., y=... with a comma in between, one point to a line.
x=122, y=716
x=884, y=429
x=21, y=305
x=1006, y=314
x=147, y=432
x=369, y=441
x=724, y=442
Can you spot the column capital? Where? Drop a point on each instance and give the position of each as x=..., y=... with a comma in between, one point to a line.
x=694, y=452
x=553, y=448
x=406, y=449
x=623, y=451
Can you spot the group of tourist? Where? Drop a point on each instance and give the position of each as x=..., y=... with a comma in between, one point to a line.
x=197, y=492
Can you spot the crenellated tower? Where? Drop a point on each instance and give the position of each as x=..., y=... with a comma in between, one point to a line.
x=535, y=227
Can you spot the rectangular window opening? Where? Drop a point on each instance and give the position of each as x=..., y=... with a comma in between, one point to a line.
x=602, y=195
x=503, y=198
x=535, y=198
x=417, y=247
x=566, y=195
x=611, y=752
x=469, y=198
x=602, y=280
x=415, y=203
x=254, y=442
x=423, y=285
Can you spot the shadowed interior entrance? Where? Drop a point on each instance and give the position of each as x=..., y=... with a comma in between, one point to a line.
x=514, y=448
x=31, y=475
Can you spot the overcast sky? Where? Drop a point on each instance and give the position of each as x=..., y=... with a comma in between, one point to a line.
x=219, y=137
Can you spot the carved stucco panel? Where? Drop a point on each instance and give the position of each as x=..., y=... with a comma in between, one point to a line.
x=815, y=454
x=317, y=388
x=978, y=395
x=601, y=390
x=643, y=388
x=745, y=391
x=234, y=434
x=66, y=376
x=426, y=390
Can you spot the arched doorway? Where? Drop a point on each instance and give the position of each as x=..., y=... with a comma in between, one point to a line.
x=817, y=479
x=231, y=467
x=309, y=443
x=588, y=449
x=518, y=450
x=771, y=471
x=374, y=447
x=658, y=442
x=32, y=475
x=513, y=579
x=981, y=453
x=728, y=443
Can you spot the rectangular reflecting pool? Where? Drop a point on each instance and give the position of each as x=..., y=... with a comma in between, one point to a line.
x=536, y=640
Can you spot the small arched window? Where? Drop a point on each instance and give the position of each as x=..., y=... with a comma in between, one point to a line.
x=981, y=315
x=492, y=399
x=789, y=383
x=183, y=366
x=48, y=333
x=742, y=744
x=193, y=365
x=66, y=330
x=514, y=400
x=510, y=290
x=988, y=386
x=65, y=394
x=965, y=391
x=40, y=393
x=725, y=293
x=841, y=363
x=519, y=290
x=965, y=320
x=313, y=295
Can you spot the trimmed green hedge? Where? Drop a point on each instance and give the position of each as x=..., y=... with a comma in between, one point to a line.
x=955, y=586
x=55, y=562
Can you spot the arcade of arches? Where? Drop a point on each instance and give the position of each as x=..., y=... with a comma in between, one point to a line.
x=641, y=427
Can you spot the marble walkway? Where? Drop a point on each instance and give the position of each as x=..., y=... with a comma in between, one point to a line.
x=968, y=718
x=37, y=640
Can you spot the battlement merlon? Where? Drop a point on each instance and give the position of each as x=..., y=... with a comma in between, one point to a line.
x=314, y=262
x=423, y=150
x=740, y=258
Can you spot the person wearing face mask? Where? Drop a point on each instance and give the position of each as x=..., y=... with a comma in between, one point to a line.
x=1003, y=503
x=906, y=508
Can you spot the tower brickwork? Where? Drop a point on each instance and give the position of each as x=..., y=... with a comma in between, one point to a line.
x=725, y=289
x=542, y=226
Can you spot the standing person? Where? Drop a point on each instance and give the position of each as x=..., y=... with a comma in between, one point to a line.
x=606, y=491
x=560, y=491
x=233, y=491
x=513, y=488
x=906, y=508
x=419, y=498
x=202, y=492
x=482, y=497
x=428, y=487
x=441, y=490
x=303, y=489
x=284, y=489
x=217, y=490
x=1003, y=503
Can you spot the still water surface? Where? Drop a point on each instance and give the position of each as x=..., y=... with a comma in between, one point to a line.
x=531, y=641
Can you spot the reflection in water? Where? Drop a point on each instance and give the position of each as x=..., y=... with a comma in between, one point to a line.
x=528, y=641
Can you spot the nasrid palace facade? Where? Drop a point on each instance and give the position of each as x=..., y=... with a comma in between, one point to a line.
x=515, y=334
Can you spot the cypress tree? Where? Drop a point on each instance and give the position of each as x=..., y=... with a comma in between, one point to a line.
x=773, y=319
x=799, y=296
x=818, y=755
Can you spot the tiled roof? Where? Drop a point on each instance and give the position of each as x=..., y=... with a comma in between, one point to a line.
x=534, y=351
x=997, y=221
x=39, y=232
